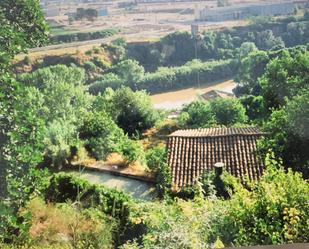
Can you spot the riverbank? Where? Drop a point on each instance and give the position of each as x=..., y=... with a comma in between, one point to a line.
x=176, y=99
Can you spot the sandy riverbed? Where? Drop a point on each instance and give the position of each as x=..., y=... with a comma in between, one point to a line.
x=175, y=99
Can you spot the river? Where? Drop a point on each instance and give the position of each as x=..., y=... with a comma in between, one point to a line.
x=175, y=99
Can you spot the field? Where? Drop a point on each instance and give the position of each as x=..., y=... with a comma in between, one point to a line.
x=143, y=22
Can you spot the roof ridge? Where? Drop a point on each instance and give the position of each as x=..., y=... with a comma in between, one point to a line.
x=217, y=132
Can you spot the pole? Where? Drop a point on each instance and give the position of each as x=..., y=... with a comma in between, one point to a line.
x=198, y=72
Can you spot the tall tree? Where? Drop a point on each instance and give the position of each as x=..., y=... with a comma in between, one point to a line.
x=22, y=26
x=284, y=78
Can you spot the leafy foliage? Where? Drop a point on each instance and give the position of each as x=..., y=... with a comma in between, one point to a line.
x=273, y=211
x=101, y=135
x=228, y=111
x=288, y=133
x=64, y=187
x=206, y=114
x=22, y=26
x=284, y=78
x=133, y=111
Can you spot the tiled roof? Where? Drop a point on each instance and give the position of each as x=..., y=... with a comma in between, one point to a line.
x=213, y=94
x=191, y=152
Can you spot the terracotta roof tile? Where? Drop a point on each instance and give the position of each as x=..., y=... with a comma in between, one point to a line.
x=191, y=152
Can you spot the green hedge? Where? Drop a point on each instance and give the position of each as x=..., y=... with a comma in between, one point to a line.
x=82, y=36
x=65, y=187
x=168, y=78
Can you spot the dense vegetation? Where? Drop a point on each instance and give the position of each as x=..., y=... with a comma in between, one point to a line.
x=82, y=36
x=56, y=114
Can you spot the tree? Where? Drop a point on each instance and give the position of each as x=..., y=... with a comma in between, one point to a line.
x=254, y=105
x=22, y=26
x=132, y=111
x=63, y=89
x=265, y=40
x=65, y=102
x=228, y=111
x=23, y=149
x=288, y=130
x=129, y=71
x=284, y=78
x=246, y=48
x=217, y=112
x=196, y=114
x=251, y=68
x=101, y=135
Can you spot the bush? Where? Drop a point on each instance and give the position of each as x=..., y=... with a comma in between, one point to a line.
x=102, y=136
x=207, y=114
x=65, y=187
x=196, y=114
x=133, y=111
x=59, y=139
x=79, y=229
x=90, y=66
x=82, y=36
x=228, y=111
x=155, y=157
x=276, y=211
x=132, y=151
x=108, y=80
x=164, y=179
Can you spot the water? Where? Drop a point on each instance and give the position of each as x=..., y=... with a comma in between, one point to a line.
x=175, y=99
x=136, y=188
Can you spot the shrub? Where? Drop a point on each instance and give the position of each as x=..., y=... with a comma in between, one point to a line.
x=196, y=114
x=228, y=111
x=108, y=80
x=132, y=151
x=164, y=179
x=66, y=225
x=90, y=66
x=59, y=139
x=133, y=111
x=102, y=136
x=65, y=187
x=155, y=157
x=276, y=211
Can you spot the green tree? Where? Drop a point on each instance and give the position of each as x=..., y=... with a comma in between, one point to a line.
x=196, y=114
x=63, y=89
x=284, y=78
x=274, y=211
x=129, y=71
x=246, y=48
x=228, y=111
x=22, y=26
x=101, y=135
x=266, y=40
x=254, y=105
x=288, y=130
x=133, y=111
x=23, y=149
x=251, y=68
